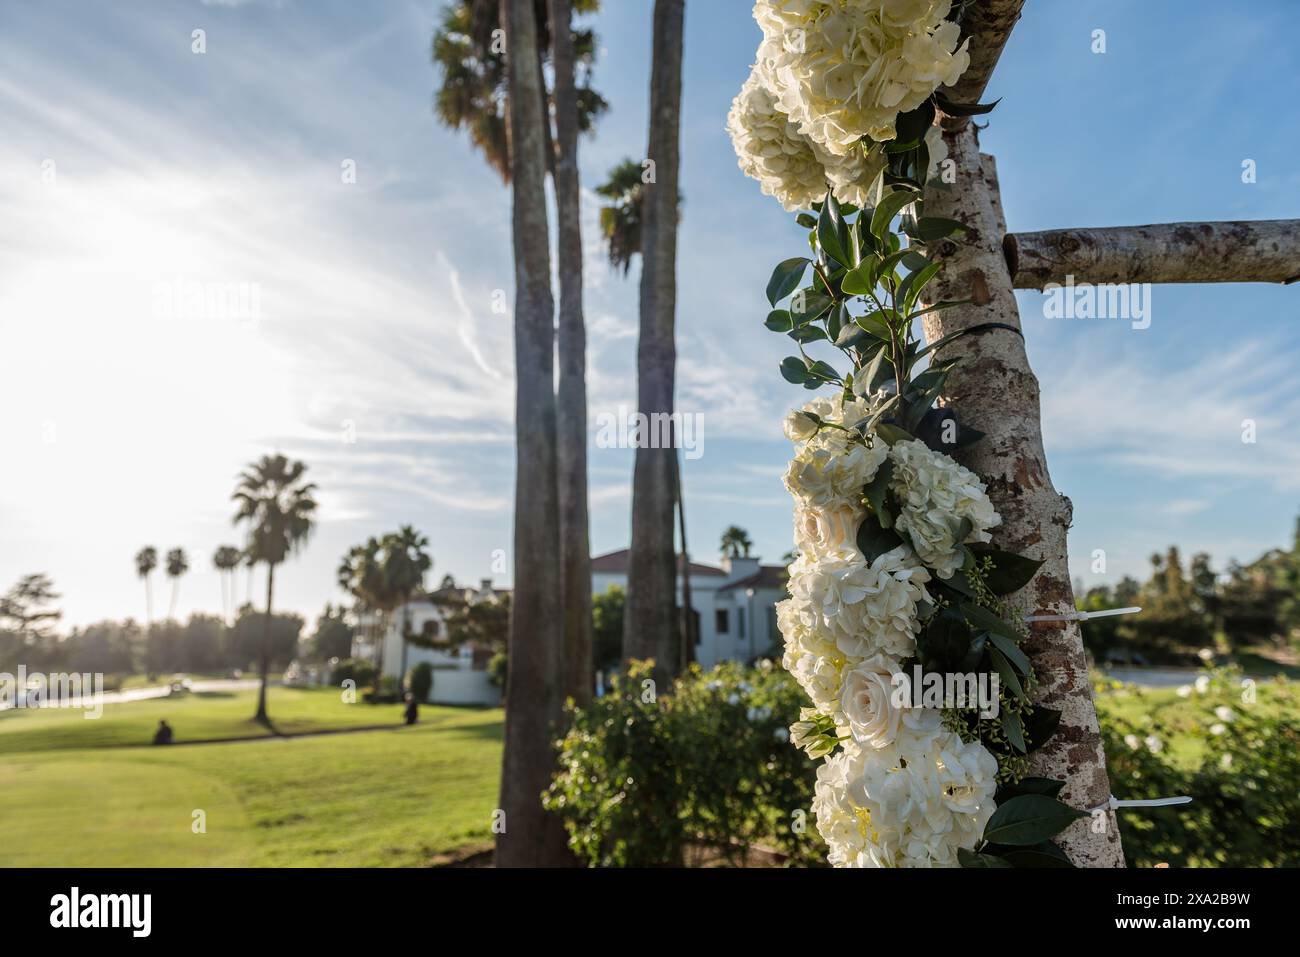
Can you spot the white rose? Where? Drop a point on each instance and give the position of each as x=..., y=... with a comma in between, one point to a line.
x=867, y=700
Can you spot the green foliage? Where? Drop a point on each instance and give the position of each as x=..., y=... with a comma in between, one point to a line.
x=643, y=775
x=1243, y=774
x=419, y=681
x=355, y=669
x=607, y=627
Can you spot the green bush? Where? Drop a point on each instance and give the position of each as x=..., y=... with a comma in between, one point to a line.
x=419, y=681
x=357, y=669
x=1237, y=757
x=642, y=775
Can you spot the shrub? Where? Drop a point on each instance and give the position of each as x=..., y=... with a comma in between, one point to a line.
x=419, y=681
x=643, y=775
x=357, y=669
x=1233, y=748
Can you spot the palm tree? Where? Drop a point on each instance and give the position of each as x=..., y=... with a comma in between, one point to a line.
x=649, y=627
x=536, y=642
x=571, y=401
x=146, y=560
x=406, y=562
x=280, y=511
x=360, y=575
x=735, y=542
x=620, y=219
x=225, y=560
x=177, y=565
x=474, y=85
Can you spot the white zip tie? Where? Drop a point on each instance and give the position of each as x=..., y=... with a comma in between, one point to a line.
x=1115, y=803
x=1084, y=615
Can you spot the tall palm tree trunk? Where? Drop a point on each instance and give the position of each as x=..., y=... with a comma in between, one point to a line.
x=571, y=406
x=530, y=836
x=688, y=611
x=649, y=628
x=264, y=662
x=148, y=603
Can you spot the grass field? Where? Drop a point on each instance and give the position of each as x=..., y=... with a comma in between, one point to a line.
x=79, y=793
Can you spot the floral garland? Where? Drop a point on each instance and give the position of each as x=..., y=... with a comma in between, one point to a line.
x=896, y=581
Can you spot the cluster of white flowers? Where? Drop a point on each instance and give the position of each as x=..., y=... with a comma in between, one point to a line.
x=912, y=803
x=937, y=495
x=904, y=791
x=845, y=69
x=830, y=80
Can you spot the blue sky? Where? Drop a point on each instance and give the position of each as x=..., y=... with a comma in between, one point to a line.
x=125, y=425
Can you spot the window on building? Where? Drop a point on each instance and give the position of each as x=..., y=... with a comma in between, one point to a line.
x=740, y=622
x=720, y=621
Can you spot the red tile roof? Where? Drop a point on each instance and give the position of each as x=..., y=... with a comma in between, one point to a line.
x=618, y=562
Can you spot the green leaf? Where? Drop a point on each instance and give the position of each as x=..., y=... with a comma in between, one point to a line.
x=794, y=369
x=1040, y=726
x=1029, y=819
x=829, y=235
x=915, y=282
x=779, y=320
x=1028, y=786
x=874, y=323
x=837, y=319
x=888, y=209
x=785, y=278
x=808, y=333
x=963, y=109
x=981, y=617
x=860, y=280
x=942, y=340
x=1043, y=854
x=874, y=539
x=824, y=371
x=806, y=220
x=876, y=490
x=1012, y=652
x=892, y=433
x=1010, y=572
x=1008, y=675
x=813, y=305
x=930, y=228
x=1011, y=725
x=972, y=859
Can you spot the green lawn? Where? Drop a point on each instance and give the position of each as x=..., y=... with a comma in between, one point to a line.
x=74, y=795
x=193, y=717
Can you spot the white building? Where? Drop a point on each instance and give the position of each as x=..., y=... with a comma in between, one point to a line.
x=734, y=605
x=459, y=672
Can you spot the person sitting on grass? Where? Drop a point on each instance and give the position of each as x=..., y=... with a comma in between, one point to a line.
x=412, y=709
x=164, y=733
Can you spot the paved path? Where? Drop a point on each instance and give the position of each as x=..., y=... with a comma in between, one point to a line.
x=144, y=694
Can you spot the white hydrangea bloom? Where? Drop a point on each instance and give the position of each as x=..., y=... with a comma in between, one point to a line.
x=866, y=608
x=935, y=494
x=788, y=165
x=913, y=803
x=832, y=478
x=845, y=69
x=811, y=655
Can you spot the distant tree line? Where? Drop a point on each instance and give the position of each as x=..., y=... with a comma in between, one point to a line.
x=1185, y=609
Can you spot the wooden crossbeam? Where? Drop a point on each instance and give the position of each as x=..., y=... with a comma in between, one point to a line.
x=1262, y=251
x=988, y=25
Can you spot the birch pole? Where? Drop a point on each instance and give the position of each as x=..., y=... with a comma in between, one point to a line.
x=994, y=391
x=1261, y=251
